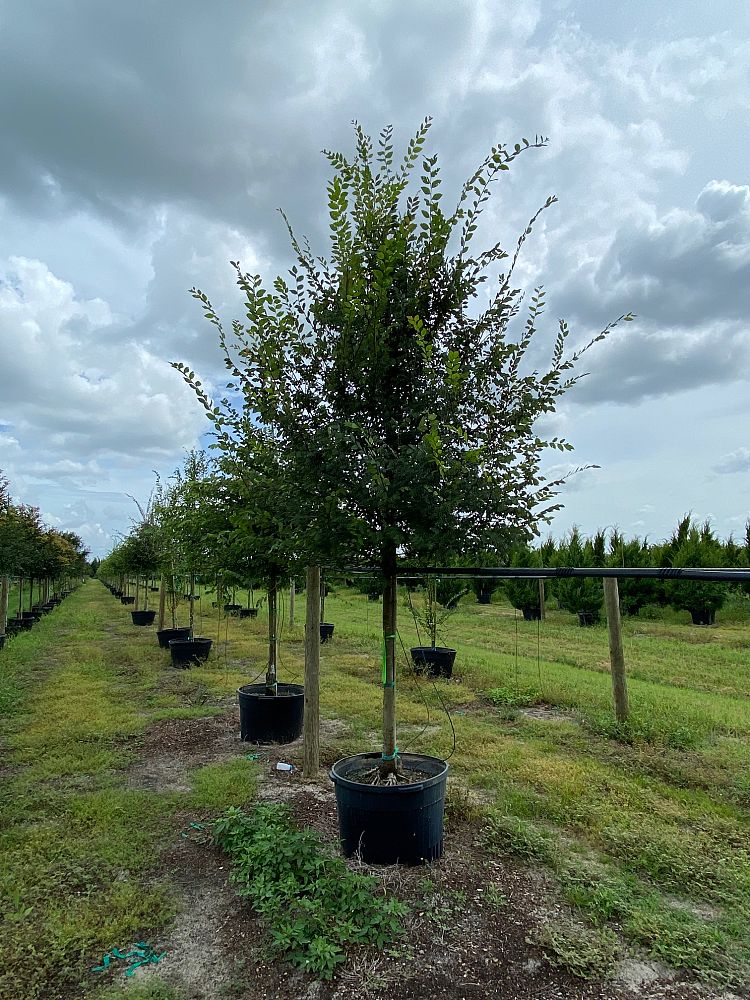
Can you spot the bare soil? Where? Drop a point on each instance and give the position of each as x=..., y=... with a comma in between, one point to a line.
x=469, y=937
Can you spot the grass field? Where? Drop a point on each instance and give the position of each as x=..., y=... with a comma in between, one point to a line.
x=644, y=829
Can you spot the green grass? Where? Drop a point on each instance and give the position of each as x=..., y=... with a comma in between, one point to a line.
x=79, y=848
x=644, y=827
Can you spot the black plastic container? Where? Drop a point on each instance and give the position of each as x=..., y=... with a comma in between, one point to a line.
x=186, y=652
x=326, y=631
x=390, y=824
x=165, y=634
x=127, y=600
x=588, y=618
x=267, y=718
x=248, y=612
x=232, y=609
x=436, y=661
x=532, y=614
x=2, y=641
x=702, y=617
x=143, y=617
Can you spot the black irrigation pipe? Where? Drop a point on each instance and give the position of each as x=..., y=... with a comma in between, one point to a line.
x=557, y=572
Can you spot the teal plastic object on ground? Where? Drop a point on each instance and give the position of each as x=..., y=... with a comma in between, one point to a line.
x=140, y=954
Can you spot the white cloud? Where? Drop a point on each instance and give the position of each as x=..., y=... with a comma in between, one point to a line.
x=735, y=461
x=144, y=149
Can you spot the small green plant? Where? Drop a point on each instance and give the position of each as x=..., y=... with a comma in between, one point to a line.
x=504, y=697
x=312, y=904
x=585, y=952
x=495, y=896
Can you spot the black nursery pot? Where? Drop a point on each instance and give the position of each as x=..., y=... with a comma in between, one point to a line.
x=248, y=612
x=186, y=652
x=267, y=718
x=588, y=618
x=532, y=614
x=143, y=617
x=436, y=661
x=127, y=600
x=165, y=634
x=390, y=824
x=326, y=631
x=2, y=641
x=702, y=617
x=233, y=609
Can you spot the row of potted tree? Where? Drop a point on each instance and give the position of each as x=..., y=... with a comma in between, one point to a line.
x=691, y=544
x=40, y=564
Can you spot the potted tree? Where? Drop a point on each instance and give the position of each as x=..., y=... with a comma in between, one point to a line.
x=431, y=616
x=582, y=596
x=524, y=594
x=401, y=416
x=694, y=546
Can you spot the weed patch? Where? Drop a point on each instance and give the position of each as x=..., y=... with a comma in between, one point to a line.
x=313, y=905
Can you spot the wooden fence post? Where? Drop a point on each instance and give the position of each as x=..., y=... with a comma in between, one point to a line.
x=616, y=656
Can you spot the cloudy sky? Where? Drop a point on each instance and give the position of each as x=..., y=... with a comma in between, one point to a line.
x=143, y=146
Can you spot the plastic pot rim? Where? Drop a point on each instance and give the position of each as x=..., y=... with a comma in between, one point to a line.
x=375, y=758
x=259, y=690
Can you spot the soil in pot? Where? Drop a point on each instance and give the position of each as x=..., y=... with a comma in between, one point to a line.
x=326, y=631
x=435, y=661
x=186, y=652
x=267, y=718
x=143, y=617
x=165, y=634
x=391, y=824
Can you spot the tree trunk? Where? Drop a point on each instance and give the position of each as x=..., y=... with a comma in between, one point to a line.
x=311, y=732
x=4, y=592
x=388, y=763
x=137, y=591
x=542, y=609
x=616, y=656
x=162, y=603
x=322, y=597
x=20, y=597
x=271, y=684
x=292, y=595
x=192, y=603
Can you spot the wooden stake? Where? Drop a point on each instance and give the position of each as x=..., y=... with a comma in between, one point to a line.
x=292, y=593
x=542, y=608
x=162, y=602
x=616, y=655
x=311, y=733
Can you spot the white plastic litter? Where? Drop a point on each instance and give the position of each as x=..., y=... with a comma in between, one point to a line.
x=281, y=766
